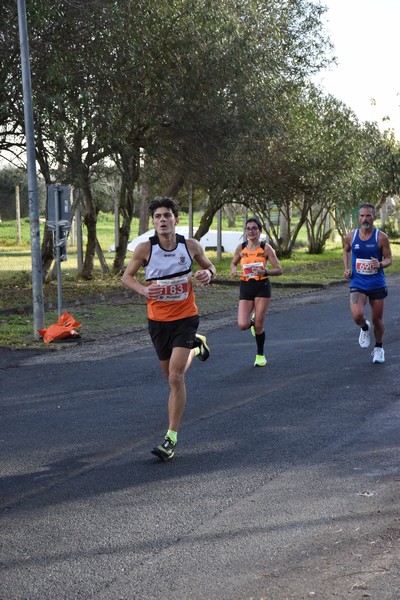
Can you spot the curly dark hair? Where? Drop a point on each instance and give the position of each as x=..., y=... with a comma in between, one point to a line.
x=166, y=203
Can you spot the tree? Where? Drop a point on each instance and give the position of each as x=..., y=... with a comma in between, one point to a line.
x=271, y=47
x=195, y=84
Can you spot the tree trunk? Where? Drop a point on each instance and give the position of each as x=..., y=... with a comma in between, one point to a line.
x=47, y=249
x=230, y=212
x=128, y=165
x=144, y=209
x=100, y=255
x=47, y=252
x=90, y=220
x=126, y=204
x=284, y=225
x=317, y=231
x=212, y=207
x=174, y=186
x=120, y=253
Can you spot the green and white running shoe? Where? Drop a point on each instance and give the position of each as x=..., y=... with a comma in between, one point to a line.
x=253, y=331
x=260, y=361
x=166, y=450
x=202, y=345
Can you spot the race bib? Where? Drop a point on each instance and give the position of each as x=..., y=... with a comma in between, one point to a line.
x=174, y=289
x=248, y=269
x=364, y=266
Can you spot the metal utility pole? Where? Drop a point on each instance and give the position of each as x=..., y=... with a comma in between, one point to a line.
x=37, y=283
x=219, y=235
x=59, y=221
x=116, y=213
x=190, y=210
x=18, y=213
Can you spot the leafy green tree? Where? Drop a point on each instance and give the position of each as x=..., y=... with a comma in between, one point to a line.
x=9, y=178
x=196, y=85
x=312, y=164
x=272, y=47
x=374, y=177
x=328, y=150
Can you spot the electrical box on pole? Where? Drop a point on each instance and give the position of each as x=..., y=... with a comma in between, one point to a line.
x=59, y=222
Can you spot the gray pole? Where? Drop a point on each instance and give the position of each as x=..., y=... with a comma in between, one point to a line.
x=190, y=210
x=36, y=257
x=18, y=213
x=219, y=235
x=116, y=213
x=79, y=243
x=57, y=248
x=245, y=213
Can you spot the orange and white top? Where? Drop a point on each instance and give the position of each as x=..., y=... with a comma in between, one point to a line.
x=173, y=270
x=250, y=259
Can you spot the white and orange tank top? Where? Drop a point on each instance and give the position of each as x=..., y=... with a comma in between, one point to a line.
x=173, y=270
x=252, y=258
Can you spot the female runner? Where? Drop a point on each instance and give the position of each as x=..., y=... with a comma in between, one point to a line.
x=255, y=286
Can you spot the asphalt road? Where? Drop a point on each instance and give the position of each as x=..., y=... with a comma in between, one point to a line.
x=285, y=484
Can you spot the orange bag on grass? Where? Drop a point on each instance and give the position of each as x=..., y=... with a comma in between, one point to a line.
x=64, y=328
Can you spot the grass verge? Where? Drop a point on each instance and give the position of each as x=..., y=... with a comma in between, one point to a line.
x=91, y=302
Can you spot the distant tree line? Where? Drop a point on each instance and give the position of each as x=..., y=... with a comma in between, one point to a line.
x=166, y=96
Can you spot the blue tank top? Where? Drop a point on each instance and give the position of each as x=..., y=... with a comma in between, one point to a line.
x=363, y=276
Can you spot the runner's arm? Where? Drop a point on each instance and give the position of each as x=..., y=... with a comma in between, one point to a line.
x=236, y=260
x=270, y=255
x=346, y=255
x=384, y=245
x=129, y=280
x=207, y=271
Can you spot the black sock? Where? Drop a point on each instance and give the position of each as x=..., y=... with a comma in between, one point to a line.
x=365, y=328
x=260, y=341
x=378, y=344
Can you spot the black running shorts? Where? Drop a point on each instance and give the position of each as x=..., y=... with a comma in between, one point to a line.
x=378, y=294
x=255, y=288
x=167, y=335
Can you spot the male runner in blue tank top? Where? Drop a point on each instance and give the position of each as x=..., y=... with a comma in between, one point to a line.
x=370, y=253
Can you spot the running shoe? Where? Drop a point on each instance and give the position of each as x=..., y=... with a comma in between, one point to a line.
x=378, y=355
x=364, y=339
x=260, y=361
x=166, y=450
x=204, y=349
x=253, y=331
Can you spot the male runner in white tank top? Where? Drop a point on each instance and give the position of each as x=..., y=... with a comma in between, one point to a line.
x=173, y=316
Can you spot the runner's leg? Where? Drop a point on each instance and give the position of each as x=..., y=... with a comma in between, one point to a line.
x=261, y=308
x=377, y=306
x=358, y=301
x=174, y=370
x=244, y=313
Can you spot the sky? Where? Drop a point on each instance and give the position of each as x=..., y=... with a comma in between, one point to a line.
x=365, y=35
